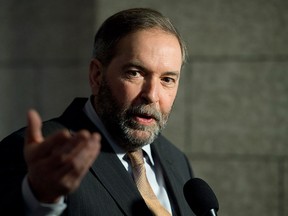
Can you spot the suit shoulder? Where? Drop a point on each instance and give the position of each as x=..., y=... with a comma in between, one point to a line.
x=165, y=147
x=169, y=152
x=51, y=126
x=48, y=127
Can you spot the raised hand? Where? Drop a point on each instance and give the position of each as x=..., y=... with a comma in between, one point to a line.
x=57, y=164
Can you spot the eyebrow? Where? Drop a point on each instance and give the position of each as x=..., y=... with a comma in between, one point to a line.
x=142, y=68
x=172, y=73
x=134, y=64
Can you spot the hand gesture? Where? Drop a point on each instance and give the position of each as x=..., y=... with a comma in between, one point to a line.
x=57, y=164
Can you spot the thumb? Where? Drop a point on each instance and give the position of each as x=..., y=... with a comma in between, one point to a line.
x=33, y=131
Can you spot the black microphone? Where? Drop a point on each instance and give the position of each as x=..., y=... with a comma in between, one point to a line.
x=200, y=197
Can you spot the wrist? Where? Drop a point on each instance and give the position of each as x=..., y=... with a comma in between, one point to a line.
x=41, y=194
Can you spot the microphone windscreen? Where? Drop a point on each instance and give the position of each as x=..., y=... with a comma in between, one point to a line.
x=200, y=196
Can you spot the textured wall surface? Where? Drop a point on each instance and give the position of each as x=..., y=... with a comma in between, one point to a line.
x=44, y=57
x=230, y=115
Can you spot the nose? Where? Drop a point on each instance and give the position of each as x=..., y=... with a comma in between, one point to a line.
x=150, y=91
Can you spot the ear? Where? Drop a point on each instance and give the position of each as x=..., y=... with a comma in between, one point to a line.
x=95, y=75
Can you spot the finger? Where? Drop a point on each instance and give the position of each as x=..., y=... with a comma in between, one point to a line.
x=33, y=131
x=71, y=171
x=86, y=144
x=62, y=146
x=78, y=161
x=54, y=144
x=75, y=142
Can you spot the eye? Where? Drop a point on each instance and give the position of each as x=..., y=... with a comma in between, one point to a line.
x=132, y=74
x=168, y=80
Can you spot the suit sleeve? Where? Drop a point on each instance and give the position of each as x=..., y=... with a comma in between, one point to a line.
x=13, y=170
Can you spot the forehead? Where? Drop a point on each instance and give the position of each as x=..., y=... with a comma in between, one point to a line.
x=151, y=45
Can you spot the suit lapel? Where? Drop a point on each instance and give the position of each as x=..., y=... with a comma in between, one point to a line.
x=120, y=185
x=172, y=178
x=107, y=168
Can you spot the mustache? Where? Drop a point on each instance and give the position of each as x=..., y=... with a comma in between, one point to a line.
x=145, y=110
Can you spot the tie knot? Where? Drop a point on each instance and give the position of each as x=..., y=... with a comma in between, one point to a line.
x=136, y=157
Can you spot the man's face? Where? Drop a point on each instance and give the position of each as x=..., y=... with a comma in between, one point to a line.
x=134, y=94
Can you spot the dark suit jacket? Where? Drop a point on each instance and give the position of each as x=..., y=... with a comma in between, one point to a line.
x=107, y=189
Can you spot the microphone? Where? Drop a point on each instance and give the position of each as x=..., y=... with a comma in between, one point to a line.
x=200, y=197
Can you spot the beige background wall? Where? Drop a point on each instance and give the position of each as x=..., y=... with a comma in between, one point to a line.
x=231, y=112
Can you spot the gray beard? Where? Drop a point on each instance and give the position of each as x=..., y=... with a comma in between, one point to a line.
x=120, y=123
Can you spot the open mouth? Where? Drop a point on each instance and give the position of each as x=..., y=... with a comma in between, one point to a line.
x=144, y=118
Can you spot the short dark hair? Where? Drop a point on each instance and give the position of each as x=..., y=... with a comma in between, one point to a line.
x=126, y=22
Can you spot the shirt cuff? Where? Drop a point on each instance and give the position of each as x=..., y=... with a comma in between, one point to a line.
x=34, y=207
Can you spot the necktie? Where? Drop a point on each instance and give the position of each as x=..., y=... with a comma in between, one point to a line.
x=140, y=178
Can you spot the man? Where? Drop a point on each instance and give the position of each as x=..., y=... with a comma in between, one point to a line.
x=134, y=77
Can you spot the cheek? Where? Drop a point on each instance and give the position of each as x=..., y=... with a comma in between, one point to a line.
x=166, y=104
x=167, y=100
x=125, y=93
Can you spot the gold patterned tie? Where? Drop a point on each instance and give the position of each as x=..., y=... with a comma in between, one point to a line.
x=140, y=178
